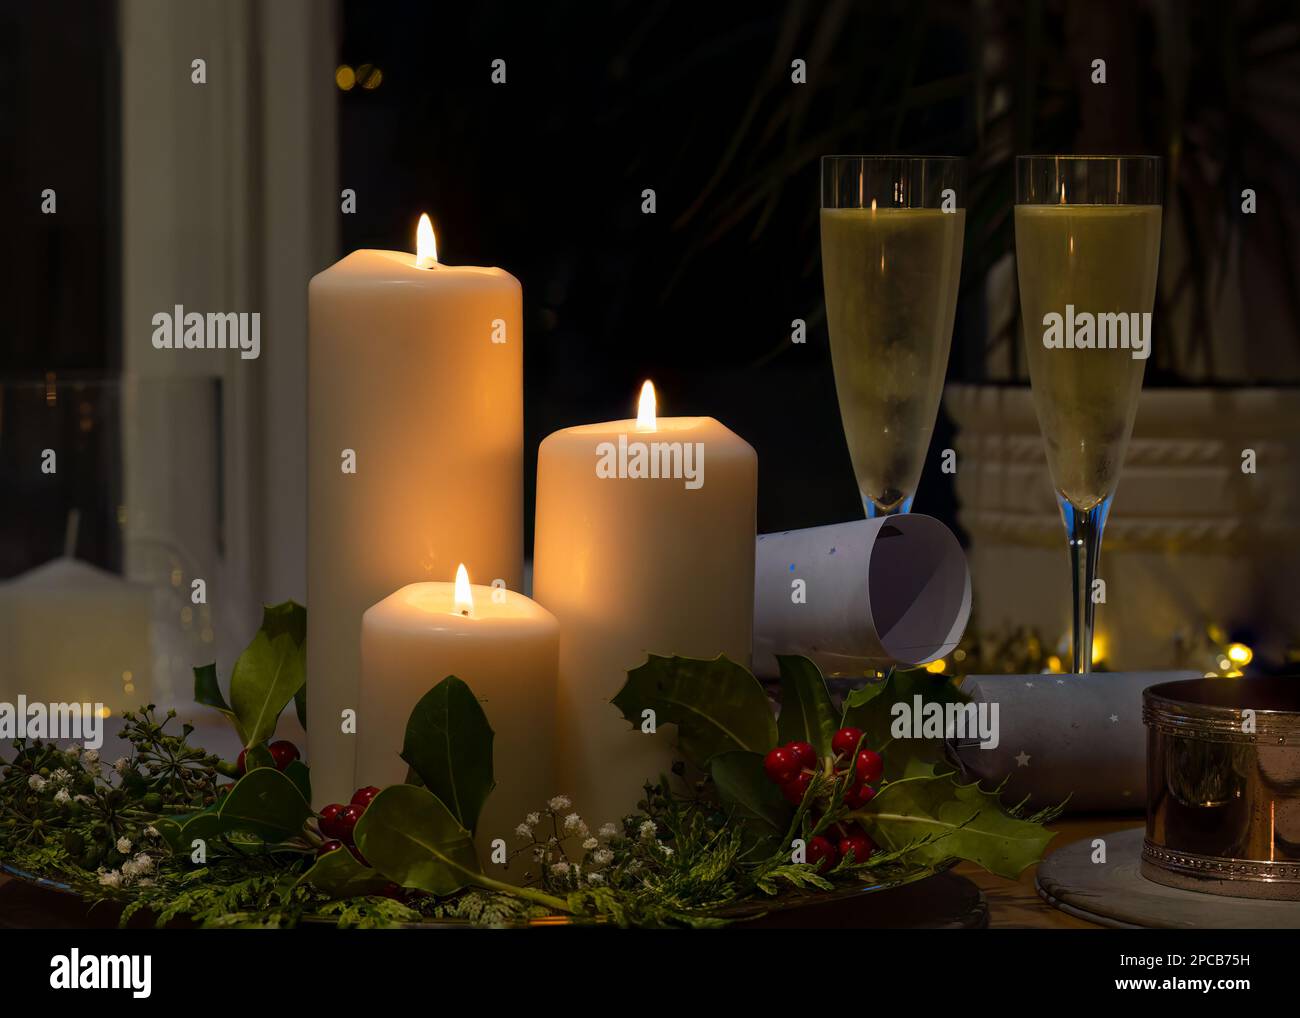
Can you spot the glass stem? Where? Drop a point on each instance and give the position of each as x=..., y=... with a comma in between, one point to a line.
x=1083, y=529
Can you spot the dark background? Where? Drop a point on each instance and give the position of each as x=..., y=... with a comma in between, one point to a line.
x=543, y=176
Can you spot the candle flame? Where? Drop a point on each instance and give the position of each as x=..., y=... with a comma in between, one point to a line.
x=464, y=596
x=426, y=246
x=645, y=409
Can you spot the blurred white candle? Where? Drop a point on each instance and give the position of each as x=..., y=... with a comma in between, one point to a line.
x=632, y=565
x=503, y=645
x=416, y=368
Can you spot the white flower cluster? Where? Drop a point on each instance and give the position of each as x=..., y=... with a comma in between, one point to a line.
x=547, y=849
x=133, y=871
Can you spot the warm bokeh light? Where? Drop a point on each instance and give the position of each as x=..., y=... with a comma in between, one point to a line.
x=936, y=667
x=1053, y=664
x=645, y=408
x=345, y=78
x=1098, y=649
x=1240, y=654
x=464, y=598
x=426, y=245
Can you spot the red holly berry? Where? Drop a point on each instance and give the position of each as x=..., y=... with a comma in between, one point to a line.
x=345, y=820
x=869, y=766
x=242, y=767
x=822, y=853
x=781, y=764
x=858, y=796
x=284, y=752
x=392, y=890
x=846, y=740
x=794, y=789
x=362, y=796
x=333, y=845
x=859, y=844
x=804, y=751
x=329, y=820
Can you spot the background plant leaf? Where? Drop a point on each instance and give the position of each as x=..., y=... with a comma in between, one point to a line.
x=963, y=821
x=807, y=714
x=717, y=706
x=448, y=744
x=409, y=836
x=300, y=774
x=266, y=803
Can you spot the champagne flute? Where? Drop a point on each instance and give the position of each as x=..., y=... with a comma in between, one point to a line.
x=1087, y=243
x=891, y=232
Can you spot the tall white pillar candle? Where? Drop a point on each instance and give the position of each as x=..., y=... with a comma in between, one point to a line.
x=645, y=544
x=501, y=644
x=415, y=458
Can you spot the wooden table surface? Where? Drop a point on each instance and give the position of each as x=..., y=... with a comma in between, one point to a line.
x=1015, y=904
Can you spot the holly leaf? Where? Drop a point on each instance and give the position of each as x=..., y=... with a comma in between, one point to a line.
x=267, y=675
x=207, y=690
x=266, y=803
x=872, y=709
x=258, y=756
x=806, y=711
x=717, y=706
x=943, y=819
x=744, y=787
x=300, y=774
x=339, y=875
x=448, y=744
x=300, y=704
x=286, y=618
x=410, y=837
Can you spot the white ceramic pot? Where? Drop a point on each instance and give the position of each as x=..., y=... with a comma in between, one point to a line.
x=1192, y=540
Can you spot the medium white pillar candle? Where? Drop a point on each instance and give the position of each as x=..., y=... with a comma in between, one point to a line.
x=505, y=648
x=637, y=557
x=415, y=457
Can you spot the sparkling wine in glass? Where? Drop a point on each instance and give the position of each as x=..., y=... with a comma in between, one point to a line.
x=891, y=231
x=1087, y=251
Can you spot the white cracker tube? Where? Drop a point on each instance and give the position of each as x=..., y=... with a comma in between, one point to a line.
x=858, y=596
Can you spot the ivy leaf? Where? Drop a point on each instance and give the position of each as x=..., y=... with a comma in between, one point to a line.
x=958, y=820
x=717, y=706
x=339, y=875
x=409, y=836
x=207, y=690
x=264, y=802
x=744, y=786
x=267, y=675
x=806, y=711
x=871, y=709
x=448, y=744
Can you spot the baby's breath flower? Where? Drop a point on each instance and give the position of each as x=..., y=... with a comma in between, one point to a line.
x=560, y=869
x=74, y=751
x=62, y=797
x=573, y=824
x=110, y=878
x=533, y=819
x=152, y=831
x=124, y=844
x=560, y=802
x=90, y=757
x=36, y=782
x=143, y=862
x=665, y=849
x=523, y=831
x=647, y=830
x=539, y=854
x=608, y=830
x=120, y=765
x=595, y=879
x=602, y=858
x=591, y=844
